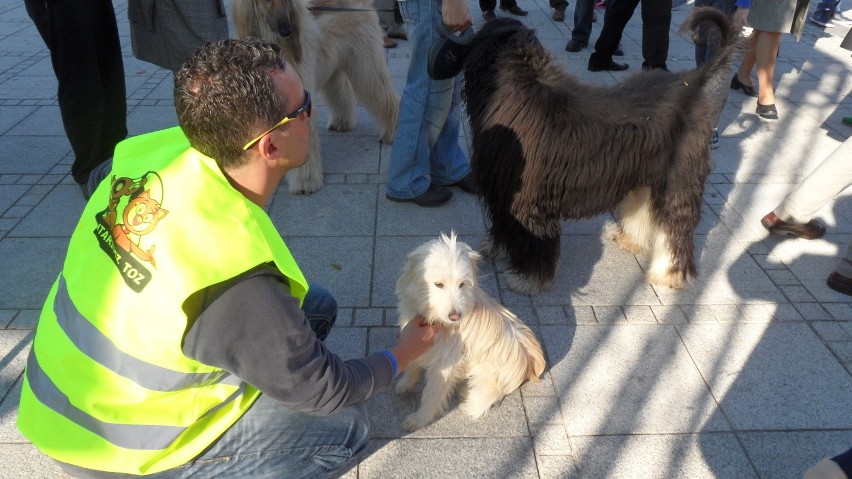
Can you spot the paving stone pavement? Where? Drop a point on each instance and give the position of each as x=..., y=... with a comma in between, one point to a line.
x=744, y=374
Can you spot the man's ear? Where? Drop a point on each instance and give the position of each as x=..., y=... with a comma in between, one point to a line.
x=268, y=149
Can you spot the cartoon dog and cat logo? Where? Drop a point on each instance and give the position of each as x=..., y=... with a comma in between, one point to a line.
x=134, y=211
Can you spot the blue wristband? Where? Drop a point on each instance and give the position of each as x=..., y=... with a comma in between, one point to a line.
x=392, y=360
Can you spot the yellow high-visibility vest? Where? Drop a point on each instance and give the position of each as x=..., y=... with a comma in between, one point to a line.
x=107, y=386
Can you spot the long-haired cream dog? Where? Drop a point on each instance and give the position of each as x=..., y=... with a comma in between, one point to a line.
x=481, y=341
x=335, y=46
x=548, y=148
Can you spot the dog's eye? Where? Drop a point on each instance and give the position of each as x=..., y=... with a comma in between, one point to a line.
x=461, y=285
x=439, y=285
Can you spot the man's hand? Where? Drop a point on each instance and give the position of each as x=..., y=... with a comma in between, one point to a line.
x=740, y=19
x=415, y=339
x=456, y=15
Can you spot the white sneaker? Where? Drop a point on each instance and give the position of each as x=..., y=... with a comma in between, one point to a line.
x=714, y=139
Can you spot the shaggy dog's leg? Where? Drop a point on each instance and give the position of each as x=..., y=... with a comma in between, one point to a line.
x=341, y=102
x=672, y=257
x=483, y=392
x=436, y=395
x=636, y=226
x=532, y=261
x=489, y=249
x=307, y=178
x=410, y=377
x=375, y=91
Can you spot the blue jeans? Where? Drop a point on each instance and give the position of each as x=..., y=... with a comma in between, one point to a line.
x=426, y=147
x=583, y=11
x=272, y=441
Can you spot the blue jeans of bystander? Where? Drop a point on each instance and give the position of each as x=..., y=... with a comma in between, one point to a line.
x=426, y=147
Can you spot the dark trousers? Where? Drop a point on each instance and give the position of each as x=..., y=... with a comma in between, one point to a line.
x=82, y=37
x=583, y=11
x=656, y=21
x=486, y=5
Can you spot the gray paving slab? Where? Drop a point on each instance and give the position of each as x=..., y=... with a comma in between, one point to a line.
x=628, y=378
x=771, y=376
x=745, y=373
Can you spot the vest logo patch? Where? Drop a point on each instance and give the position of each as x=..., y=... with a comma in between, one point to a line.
x=140, y=202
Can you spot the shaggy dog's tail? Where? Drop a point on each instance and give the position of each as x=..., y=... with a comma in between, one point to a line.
x=535, y=355
x=717, y=28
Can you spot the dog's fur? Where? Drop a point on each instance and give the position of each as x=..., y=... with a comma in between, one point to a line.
x=548, y=148
x=481, y=341
x=337, y=53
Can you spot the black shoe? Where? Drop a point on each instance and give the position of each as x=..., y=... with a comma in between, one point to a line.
x=434, y=196
x=467, y=184
x=516, y=10
x=489, y=15
x=559, y=14
x=611, y=66
x=575, y=45
x=618, y=51
x=839, y=283
x=768, y=112
x=736, y=84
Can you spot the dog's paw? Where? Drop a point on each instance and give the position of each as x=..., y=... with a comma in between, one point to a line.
x=523, y=284
x=341, y=124
x=670, y=279
x=303, y=182
x=625, y=242
x=413, y=422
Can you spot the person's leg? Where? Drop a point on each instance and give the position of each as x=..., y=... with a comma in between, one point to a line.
x=583, y=11
x=425, y=108
x=743, y=74
x=448, y=162
x=656, y=22
x=822, y=185
x=90, y=73
x=618, y=13
x=271, y=441
x=320, y=308
x=559, y=7
x=766, y=52
x=486, y=5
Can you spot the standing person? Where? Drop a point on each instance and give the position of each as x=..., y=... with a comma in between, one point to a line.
x=706, y=48
x=511, y=6
x=426, y=157
x=794, y=215
x=85, y=52
x=181, y=336
x=769, y=19
x=656, y=21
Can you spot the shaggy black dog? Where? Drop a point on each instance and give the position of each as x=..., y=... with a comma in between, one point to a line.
x=548, y=148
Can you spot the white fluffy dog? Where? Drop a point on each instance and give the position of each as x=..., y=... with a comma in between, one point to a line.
x=335, y=46
x=481, y=341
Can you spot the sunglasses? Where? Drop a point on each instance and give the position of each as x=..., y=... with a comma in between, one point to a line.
x=305, y=108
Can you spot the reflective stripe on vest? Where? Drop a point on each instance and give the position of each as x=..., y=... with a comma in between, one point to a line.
x=101, y=349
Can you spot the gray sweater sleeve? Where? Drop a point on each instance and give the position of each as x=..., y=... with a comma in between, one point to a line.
x=253, y=328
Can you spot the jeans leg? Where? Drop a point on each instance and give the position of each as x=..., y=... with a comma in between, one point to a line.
x=427, y=133
x=320, y=308
x=271, y=441
x=583, y=10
